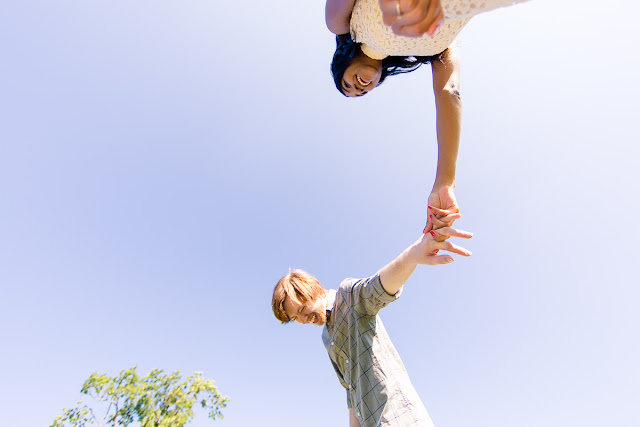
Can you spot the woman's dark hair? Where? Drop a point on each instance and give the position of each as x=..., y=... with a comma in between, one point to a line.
x=347, y=49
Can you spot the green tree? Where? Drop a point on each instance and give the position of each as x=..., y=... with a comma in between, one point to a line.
x=157, y=400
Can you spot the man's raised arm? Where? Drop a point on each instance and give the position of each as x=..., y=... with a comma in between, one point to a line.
x=423, y=251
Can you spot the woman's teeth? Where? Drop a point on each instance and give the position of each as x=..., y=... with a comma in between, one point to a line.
x=362, y=82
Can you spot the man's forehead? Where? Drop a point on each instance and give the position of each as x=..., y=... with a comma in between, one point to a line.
x=291, y=305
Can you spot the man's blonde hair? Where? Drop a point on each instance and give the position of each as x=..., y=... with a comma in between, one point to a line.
x=297, y=284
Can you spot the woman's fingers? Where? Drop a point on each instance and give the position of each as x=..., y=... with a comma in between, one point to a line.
x=394, y=11
x=411, y=18
x=419, y=21
x=437, y=22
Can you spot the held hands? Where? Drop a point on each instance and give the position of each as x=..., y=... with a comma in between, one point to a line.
x=412, y=18
x=425, y=250
x=443, y=209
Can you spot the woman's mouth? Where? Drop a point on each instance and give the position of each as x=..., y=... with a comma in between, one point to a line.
x=312, y=319
x=362, y=82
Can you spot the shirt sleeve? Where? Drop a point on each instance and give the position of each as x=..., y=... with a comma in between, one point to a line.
x=368, y=296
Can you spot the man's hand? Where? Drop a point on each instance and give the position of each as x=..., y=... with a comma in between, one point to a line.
x=425, y=250
x=412, y=18
x=443, y=209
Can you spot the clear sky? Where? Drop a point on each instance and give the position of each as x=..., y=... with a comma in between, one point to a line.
x=163, y=163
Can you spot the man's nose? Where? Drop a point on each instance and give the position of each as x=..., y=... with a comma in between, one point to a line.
x=303, y=318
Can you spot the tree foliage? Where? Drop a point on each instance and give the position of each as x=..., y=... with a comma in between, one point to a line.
x=157, y=400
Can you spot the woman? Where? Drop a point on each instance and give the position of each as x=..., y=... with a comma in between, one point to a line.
x=379, y=27
x=369, y=49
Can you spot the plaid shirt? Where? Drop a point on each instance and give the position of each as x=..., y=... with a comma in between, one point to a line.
x=367, y=364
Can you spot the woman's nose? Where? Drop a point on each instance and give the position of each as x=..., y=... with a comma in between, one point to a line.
x=352, y=82
x=348, y=78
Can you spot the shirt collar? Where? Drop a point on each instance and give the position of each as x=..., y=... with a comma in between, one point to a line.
x=331, y=300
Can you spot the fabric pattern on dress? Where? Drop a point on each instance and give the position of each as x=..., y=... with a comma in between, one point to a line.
x=457, y=9
x=379, y=41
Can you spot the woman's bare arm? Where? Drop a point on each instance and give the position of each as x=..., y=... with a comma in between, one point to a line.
x=337, y=14
x=446, y=88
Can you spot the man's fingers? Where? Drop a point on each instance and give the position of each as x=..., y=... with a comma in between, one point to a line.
x=438, y=237
x=448, y=246
x=446, y=221
x=437, y=223
x=440, y=259
x=441, y=212
x=452, y=232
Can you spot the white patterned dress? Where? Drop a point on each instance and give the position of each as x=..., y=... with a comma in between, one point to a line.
x=378, y=40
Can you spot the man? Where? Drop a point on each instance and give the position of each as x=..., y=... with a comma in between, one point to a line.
x=379, y=392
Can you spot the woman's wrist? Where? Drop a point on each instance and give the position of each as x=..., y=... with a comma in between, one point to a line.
x=443, y=183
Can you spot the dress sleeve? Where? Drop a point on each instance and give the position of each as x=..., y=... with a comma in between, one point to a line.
x=368, y=296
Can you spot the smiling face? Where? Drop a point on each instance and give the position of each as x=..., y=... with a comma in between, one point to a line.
x=361, y=76
x=311, y=311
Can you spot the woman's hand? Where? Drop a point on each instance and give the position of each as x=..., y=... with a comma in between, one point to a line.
x=412, y=18
x=443, y=209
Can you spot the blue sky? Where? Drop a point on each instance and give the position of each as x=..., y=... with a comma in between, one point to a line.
x=164, y=163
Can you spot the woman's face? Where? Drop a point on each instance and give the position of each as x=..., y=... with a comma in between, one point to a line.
x=361, y=76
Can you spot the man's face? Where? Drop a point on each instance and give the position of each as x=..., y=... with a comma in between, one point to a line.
x=312, y=311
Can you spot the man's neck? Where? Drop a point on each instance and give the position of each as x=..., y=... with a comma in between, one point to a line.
x=329, y=301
